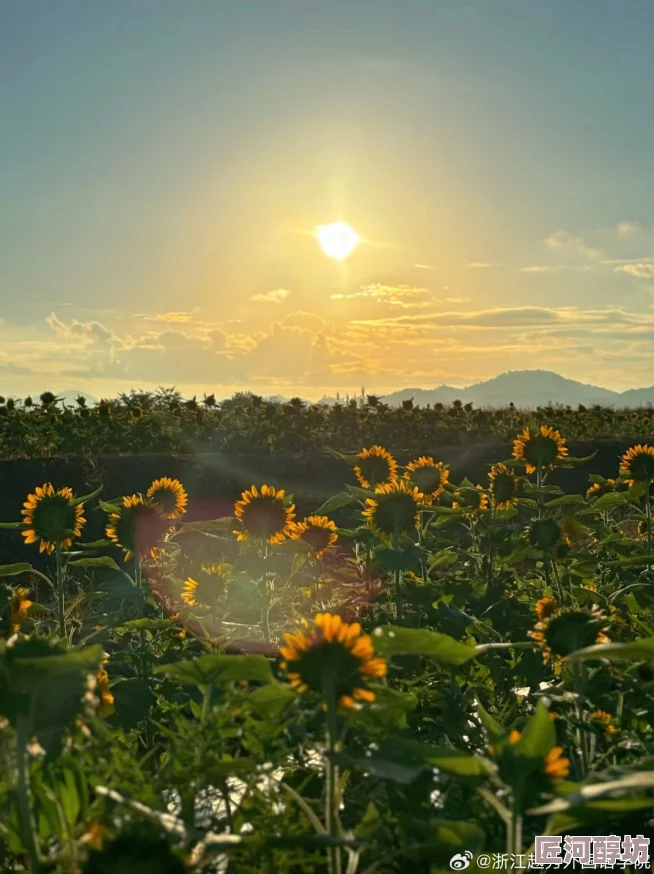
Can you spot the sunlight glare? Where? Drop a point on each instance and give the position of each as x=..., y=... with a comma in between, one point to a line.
x=337, y=240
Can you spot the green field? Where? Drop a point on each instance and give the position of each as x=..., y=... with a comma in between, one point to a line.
x=450, y=668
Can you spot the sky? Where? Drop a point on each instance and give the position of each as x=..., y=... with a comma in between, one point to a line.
x=164, y=166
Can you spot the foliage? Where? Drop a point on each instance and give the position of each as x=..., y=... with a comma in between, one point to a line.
x=235, y=695
x=147, y=422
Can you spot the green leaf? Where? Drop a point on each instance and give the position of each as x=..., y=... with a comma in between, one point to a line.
x=538, y=736
x=571, y=459
x=587, y=596
x=86, y=498
x=392, y=640
x=493, y=728
x=44, y=685
x=638, y=781
x=13, y=570
x=636, y=650
x=110, y=508
x=442, y=558
x=219, y=771
x=606, y=502
x=145, y=625
x=385, y=769
x=271, y=701
x=403, y=559
x=212, y=670
x=351, y=459
x=225, y=524
x=342, y=499
x=133, y=700
x=567, y=501
x=451, y=835
x=361, y=493
x=369, y=823
x=100, y=561
x=447, y=759
x=96, y=544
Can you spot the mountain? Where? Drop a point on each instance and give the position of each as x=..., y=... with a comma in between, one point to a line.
x=523, y=388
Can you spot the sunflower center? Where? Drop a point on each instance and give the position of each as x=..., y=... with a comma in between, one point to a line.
x=641, y=467
x=166, y=500
x=375, y=469
x=427, y=479
x=317, y=538
x=54, y=519
x=541, y=450
x=504, y=488
x=139, y=529
x=395, y=512
x=571, y=631
x=329, y=662
x=264, y=517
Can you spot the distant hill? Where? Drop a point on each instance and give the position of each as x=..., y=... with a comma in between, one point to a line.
x=523, y=388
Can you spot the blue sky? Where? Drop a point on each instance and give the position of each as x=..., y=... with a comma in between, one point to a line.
x=166, y=163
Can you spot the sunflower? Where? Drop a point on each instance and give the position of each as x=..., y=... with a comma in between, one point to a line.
x=599, y=489
x=52, y=517
x=18, y=607
x=264, y=515
x=605, y=719
x=137, y=527
x=207, y=589
x=541, y=448
x=637, y=465
x=395, y=510
x=545, y=607
x=556, y=766
x=471, y=500
x=376, y=466
x=318, y=531
x=568, y=629
x=335, y=650
x=430, y=477
x=169, y=497
x=103, y=694
x=503, y=486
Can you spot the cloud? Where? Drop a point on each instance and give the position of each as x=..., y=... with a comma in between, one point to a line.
x=566, y=240
x=486, y=265
x=91, y=332
x=276, y=296
x=423, y=266
x=555, y=268
x=403, y=296
x=170, y=317
x=627, y=229
x=308, y=322
x=640, y=271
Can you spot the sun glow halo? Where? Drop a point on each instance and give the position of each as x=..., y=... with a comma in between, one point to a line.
x=337, y=240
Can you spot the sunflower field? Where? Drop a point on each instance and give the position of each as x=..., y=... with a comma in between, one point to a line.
x=163, y=421
x=419, y=671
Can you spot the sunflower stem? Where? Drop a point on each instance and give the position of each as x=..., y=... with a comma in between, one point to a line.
x=265, y=612
x=25, y=811
x=539, y=486
x=399, y=611
x=331, y=770
x=61, y=596
x=648, y=511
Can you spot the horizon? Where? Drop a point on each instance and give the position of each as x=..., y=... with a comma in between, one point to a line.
x=173, y=175
x=313, y=397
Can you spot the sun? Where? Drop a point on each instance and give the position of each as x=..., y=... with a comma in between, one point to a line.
x=337, y=240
